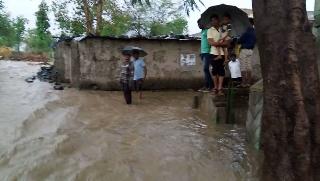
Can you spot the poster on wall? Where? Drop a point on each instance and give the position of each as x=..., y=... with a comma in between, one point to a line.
x=187, y=60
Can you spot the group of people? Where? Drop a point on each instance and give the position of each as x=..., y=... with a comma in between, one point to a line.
x=217, y=52
x=133, y=71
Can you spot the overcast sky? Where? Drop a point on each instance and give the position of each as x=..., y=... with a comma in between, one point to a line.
x=27, y=8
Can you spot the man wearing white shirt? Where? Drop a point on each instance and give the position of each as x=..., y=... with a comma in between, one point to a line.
x=235, y=71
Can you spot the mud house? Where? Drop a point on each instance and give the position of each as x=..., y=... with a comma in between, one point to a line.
x=94, y=61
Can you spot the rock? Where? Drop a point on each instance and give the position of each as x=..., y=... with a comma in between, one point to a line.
x=29, y=80
x=58, y=87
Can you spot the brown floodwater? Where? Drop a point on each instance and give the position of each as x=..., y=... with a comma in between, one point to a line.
x=92, y=135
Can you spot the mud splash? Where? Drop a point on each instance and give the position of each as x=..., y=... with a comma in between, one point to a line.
x=93, y=135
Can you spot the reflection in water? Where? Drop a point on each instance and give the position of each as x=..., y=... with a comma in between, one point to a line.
x=94, y=135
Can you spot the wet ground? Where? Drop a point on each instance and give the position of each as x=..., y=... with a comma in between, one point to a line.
x=92, y=135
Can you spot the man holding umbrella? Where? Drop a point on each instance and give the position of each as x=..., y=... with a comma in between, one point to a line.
x=218, y=70
x=135, y=69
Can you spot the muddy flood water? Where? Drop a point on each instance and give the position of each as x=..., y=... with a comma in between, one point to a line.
x=84, y=135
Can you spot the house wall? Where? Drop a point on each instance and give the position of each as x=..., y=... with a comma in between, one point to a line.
x=62, y=58
x=96, y=61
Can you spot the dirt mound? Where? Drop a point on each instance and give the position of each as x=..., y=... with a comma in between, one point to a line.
x=5, y=52
x=32, y=57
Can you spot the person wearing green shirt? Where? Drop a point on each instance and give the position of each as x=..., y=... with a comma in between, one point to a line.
x=206, y=58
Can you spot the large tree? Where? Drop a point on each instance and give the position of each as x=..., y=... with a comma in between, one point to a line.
x=291, y=115
x=40, y=38
x=87, y=15
x=20, y=28
x=159, y=18
x=106, y=17
x=7, y=37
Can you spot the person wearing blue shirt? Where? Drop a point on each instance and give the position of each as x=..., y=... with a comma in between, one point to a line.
x=140, y=72
x=247, y=42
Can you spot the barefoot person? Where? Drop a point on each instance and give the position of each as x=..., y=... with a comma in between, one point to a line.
x=218, y=71
x=140, y=71
x=126, y=75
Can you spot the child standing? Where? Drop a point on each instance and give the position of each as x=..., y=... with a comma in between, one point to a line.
x=225, y=39
x=140, y=71
x=234, y=67
x=126, y=75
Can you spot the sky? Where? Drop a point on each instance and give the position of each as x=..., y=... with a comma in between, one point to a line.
x=27, y=8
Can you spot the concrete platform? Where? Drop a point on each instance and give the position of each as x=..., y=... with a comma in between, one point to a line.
x=228, y=109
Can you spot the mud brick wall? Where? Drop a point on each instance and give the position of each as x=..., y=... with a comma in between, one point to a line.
x=96, y=61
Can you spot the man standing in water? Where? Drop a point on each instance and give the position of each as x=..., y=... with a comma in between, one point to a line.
x=126, y=75
x=206, y=58
x=140, y=71
x=218, y=71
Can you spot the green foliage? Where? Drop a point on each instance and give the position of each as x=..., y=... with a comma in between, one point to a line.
x=70, y=23
x=176, y=26
x=1, y=5
x=20, y=28
x=6, y=30
x=160, y=18
x=39, y=40
x=188, y=5
x=118, y=25
x=42, y=22
x=38, y=44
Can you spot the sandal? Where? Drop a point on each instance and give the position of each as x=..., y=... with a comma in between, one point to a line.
x=214, y=92
x=220, y=92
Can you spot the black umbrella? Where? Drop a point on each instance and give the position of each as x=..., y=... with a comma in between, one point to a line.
x=129, y=49
x=239, y=18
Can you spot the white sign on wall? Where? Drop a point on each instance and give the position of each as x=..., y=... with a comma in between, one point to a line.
x=187, y=59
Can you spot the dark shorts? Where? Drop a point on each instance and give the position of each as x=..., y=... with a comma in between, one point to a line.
x=138, y=84
x=239, y=79
x=218, y=67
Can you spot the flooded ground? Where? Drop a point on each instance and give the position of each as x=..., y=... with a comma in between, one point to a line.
x=92, y=136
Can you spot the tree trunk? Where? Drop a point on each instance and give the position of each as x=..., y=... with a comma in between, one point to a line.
x=291, y=115
x=99, y=9
x=18, y=47
x=88, y=17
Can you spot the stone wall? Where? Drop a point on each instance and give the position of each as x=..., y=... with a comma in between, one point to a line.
x=96, y=61
x=61, y=57
x=253, y=124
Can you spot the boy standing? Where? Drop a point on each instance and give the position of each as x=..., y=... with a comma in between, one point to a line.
x=234, y=67
x=126, y=75
x=140, y=71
